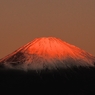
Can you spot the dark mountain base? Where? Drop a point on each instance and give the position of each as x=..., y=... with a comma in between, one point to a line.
x=74, y=81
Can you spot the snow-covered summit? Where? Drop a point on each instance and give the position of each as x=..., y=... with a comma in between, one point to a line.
x=47, y=52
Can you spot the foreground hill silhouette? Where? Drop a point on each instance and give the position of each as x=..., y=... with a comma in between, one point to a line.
x=51, y=65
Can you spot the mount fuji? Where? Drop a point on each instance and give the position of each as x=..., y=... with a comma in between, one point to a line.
x=47, y=52
x=51, y=65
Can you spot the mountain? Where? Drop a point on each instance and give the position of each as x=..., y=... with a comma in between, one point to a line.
x=47, y=52
x=48, y=65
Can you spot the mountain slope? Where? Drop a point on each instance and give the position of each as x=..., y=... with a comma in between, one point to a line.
x=47, y=65
x=47, y=52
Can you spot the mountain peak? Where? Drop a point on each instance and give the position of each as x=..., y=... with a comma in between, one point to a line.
x=50, y=52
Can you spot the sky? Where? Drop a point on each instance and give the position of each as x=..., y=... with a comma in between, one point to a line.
x=21, y=21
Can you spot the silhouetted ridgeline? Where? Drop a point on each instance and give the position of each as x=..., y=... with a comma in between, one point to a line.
x=69, y=81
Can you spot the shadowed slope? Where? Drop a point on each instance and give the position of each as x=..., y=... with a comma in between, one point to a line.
x=74, y=81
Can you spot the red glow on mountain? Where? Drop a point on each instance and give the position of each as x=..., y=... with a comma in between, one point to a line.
x=50, y=51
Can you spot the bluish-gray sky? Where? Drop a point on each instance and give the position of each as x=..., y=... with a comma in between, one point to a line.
x=23, y=20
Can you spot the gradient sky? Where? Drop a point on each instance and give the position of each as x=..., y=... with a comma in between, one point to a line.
x=23, y=20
